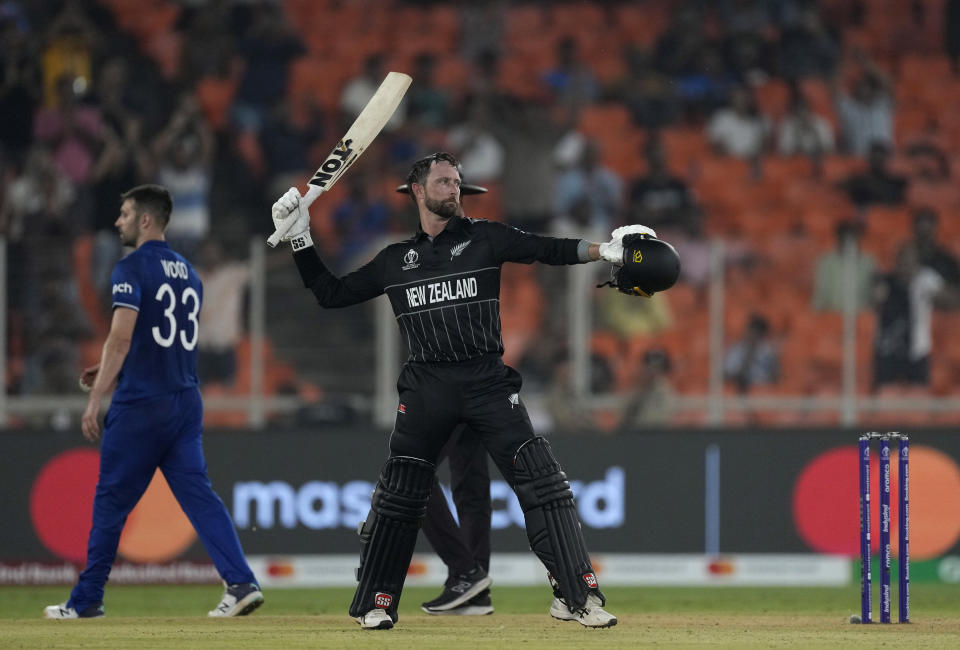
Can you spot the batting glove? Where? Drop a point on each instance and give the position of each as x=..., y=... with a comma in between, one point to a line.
x=623, y=231
x=289, y=207
x=612, y=251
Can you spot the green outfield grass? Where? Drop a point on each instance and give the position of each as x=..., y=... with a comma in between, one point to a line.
x=733, y=617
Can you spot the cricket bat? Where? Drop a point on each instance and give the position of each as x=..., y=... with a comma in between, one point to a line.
x=358, y=137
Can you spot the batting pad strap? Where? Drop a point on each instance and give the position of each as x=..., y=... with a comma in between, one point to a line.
x=389, y=534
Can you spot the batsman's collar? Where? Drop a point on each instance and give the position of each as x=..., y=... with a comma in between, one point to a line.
x=465, y=188
x=454, y=226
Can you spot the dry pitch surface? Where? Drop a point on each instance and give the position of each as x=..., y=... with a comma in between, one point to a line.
x=174, y=617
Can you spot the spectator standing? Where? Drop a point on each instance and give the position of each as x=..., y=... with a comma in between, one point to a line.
x=185, y=152
x=930, y=253
x=225, y=285
x=588, y=181
x=904, y=300
x=427, y=105
x=651, y=400
x=269, y=47
x=807, y=49
x=571, y=80
x=878, y=185
x=20, y=83
x=802, y=132
x=659, y=198
x=71, y=129
x=679, y=47
x=866, y=112
x=647, y=93
x=358, y=91
x=706, y=86
x=529, y=130
x=753, y=359
x=472, y=141
x=829, y=293
x=360, y=219
x=740, y=129
x=567, y=410
x=286, y=143
x=122, y=163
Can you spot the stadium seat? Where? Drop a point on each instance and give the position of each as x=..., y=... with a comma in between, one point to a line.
x=603, y=120
x=521, y=309
x=819, y=97
x=640, y=24
x=215, y=94
x=524, y=20
x=684, y=148
x=772, y=98
x=89, y=297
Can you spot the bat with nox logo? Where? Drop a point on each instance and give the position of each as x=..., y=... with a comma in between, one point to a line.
x=358, y=137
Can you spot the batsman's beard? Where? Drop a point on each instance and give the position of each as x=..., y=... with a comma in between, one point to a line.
x=444, y=209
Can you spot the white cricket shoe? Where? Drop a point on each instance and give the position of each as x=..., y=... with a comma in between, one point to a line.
x=62, y=612
x=558, y=610
x=375, y=619
x=238, y=600
x=592, y=614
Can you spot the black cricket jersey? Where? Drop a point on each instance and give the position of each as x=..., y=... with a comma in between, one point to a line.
x=445, y=292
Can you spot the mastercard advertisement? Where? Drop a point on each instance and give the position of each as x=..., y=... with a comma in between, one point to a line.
x=303, y=493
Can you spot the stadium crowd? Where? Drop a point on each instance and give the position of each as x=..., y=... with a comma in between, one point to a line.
x=792, y=130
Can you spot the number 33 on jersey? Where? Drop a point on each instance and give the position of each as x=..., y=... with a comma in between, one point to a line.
x=165, y=291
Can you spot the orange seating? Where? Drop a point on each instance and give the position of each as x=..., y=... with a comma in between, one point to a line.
x=925, y=67
x=640, y=25
x=215, y=94
x=600, y=120
x=312, y=81
x=818, y=95
x=452, y=74
x=837, y=168
x=684, y=300
x=82, y=265
x=524, y=20
x=772, y=98
x=578, y=16
x=684, y=148
x=780, y=170
x=887, y=228
x=943, y=196
x=622, y=154
x=521, y=309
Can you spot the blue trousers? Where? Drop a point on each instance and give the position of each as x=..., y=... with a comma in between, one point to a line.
x=162, y=432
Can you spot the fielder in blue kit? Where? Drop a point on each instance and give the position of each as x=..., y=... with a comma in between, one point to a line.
x=155, y=416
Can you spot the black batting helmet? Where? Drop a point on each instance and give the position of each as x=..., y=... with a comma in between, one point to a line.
x=649, y=265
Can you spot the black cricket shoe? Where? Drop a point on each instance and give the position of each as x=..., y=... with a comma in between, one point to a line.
x=238, y=600
x=479, y=605
x=458, y=591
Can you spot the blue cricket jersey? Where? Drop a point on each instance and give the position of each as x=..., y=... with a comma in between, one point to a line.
x=162, y=286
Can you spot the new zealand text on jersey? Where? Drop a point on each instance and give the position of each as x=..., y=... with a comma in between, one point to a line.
x=442, y=291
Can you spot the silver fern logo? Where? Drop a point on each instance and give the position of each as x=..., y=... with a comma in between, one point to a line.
x=456, y=250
